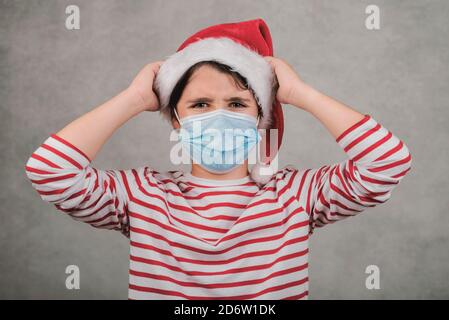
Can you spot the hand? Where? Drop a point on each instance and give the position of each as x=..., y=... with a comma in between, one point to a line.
x=291, y=88
x=142, y=86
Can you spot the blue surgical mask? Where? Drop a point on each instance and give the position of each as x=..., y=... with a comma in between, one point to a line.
x=218, y=140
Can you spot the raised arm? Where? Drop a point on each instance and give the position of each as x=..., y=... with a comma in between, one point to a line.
x=60, y=171
x=377, y=159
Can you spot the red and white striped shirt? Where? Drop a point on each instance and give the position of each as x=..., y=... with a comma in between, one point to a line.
x=194, y=238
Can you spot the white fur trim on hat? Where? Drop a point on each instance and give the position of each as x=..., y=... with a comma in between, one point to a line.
x=245, y=61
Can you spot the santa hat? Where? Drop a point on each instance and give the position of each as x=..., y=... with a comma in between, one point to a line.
x=241, y=46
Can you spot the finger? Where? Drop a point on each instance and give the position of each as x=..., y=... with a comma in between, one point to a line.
x=270, y=60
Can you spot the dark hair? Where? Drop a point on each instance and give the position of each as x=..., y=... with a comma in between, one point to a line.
x=239, y=80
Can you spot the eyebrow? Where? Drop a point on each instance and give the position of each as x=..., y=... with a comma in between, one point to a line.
x=206, y=99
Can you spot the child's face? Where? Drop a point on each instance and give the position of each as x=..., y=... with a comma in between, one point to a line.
x=209, y=89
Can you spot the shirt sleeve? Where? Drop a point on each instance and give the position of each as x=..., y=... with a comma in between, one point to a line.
x=62, y=175
x=377, y=162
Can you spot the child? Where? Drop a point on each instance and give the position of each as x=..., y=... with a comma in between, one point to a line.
x=219, y=232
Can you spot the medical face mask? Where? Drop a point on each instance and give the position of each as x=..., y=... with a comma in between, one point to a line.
x=219, y=140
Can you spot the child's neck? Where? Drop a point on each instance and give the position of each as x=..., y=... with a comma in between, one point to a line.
x=238, y=173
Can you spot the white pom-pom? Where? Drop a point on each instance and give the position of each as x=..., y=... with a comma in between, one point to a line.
x=261, y=173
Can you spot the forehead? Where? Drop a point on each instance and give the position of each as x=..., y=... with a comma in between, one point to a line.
x=207, y=80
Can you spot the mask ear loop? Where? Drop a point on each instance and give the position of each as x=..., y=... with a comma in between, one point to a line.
x=177, y=117
x=257, y=102
x=180, y=124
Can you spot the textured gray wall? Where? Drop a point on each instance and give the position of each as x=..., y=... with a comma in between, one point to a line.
x=398, y=74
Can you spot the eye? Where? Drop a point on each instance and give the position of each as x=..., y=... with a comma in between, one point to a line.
x=238, y=105
x=199, y=105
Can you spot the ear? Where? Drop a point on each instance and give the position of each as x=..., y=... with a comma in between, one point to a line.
x=175, y=123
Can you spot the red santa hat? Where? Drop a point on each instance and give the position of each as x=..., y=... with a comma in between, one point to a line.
x=242, y=46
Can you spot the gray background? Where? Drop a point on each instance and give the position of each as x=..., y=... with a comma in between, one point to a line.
x=398, y=74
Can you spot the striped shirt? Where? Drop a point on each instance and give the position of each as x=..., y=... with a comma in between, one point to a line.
x=195, y=238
